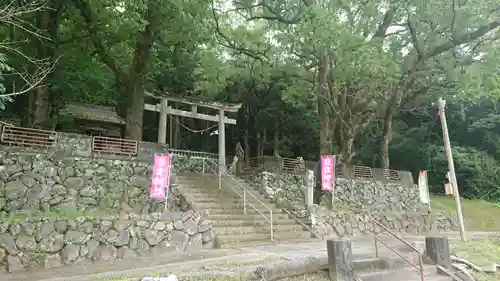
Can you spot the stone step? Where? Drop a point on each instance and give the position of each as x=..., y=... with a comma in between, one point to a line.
x=257, y=229
x=212, y=199
x=397, y=274
x=396, y=262
x=214, y=191
x=249, y=222
x=255, y=238
x=248, y=217
x=227, y=192
x=236, y=205
x=239, y=211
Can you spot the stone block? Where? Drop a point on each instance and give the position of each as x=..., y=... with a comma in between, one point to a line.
x=340, y=260
x=309, y=188
x=437, y=250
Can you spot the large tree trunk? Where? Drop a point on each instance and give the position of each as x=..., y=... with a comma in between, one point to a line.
x=44, y=102
x=264, y=143
x=259, y=144
x=386, y=139
x=246, y=141
x=276, y=143
x=323, y=97
x=130, y=83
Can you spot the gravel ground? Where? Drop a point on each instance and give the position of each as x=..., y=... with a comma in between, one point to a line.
x=307, y=277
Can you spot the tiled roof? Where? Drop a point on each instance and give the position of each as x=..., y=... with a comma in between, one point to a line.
x=92, y=112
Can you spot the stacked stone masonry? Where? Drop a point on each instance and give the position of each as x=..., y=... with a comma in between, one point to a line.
x=341, y=223
x=371, y=195
x=53, y=242
x=356, y=204
x=37, y=183
x=58, y=209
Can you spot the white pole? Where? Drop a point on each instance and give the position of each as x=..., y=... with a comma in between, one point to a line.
x=162, y=125
x=451, y=167
x=222, y=141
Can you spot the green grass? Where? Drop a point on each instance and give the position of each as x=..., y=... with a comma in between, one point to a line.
x=482, y=252
x=36, y=216
x=479, y=215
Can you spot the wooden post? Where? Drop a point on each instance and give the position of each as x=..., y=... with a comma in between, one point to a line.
x=162, y=125
x=222, y=141
x=451, y=167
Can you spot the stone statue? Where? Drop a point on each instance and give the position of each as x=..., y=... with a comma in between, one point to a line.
x=232, y=168
x=240, y=156
x=300, y=165
x=239, y=152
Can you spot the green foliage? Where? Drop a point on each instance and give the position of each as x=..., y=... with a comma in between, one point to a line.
x=4, y=69
x=265, y=55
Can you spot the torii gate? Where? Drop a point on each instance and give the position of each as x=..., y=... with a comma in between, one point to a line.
x=164, y=110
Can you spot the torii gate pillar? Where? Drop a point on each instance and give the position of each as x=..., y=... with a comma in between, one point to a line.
x=162, y=128
x=222, y=141
x=164, y=109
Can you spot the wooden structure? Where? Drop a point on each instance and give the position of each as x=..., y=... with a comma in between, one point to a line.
x=93, y=120
x=164, y=109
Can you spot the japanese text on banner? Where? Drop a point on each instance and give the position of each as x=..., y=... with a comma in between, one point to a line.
x=161, y=176
x=328, y=172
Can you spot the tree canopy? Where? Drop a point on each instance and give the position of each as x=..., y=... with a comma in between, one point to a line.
x=359, y=79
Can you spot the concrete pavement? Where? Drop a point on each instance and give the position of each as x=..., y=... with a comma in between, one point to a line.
x=167, y=263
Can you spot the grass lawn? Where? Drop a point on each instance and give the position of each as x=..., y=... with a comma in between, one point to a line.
x=479, y=215
x=483, y=252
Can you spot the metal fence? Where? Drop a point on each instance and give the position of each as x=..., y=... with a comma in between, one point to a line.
x=114, y=146
x=19, y=136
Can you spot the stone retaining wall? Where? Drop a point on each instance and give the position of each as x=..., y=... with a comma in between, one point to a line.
x=327, y=223
x=34, y=183
x=288, y=189
x=50, y=182
x=54, y=242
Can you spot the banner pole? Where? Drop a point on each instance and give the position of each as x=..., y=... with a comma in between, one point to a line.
x=167, y=184
x=334, y=176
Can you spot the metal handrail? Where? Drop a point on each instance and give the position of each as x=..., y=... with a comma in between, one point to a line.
x=198, y=154
x=302, y=223
x=356, y=277
x=419, y=268
x=244, y=196
x=449, y=273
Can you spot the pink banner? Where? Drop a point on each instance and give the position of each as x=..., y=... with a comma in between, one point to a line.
x=161, y=176
x=328, y=172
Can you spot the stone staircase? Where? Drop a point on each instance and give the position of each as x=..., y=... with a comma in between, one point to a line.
x=390, y=266
x=233, y=227
x=395, y=269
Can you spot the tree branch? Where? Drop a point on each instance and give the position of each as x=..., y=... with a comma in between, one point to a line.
x=459, y=40
x=230, y=44
x=414, y=38
x=91, y=20
x=385, y=24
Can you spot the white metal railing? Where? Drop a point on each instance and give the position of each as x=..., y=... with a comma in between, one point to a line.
x=222, y=175
x=114, y=145
x=194, y=154
x=302, y=223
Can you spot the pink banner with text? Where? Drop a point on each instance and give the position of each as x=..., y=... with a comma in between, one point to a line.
x=328, y=172
x=161, y=176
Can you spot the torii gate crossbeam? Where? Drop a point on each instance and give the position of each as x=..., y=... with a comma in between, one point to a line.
x=164, y=110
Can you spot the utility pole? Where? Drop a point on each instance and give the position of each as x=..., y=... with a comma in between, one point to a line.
x=451, y=167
